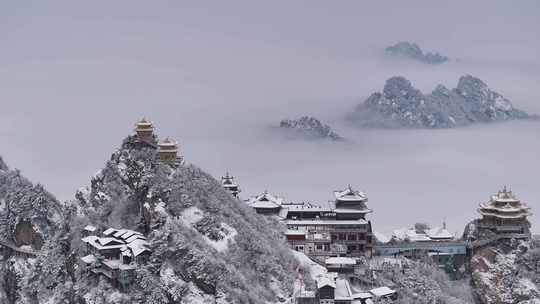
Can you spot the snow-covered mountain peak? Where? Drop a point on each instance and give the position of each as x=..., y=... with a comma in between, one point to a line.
x=402, y=105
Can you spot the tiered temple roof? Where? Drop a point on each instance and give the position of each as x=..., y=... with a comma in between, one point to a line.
x=504, y=205
x=265, y=201
x=350, y=201
x=168, y=145
x=229, y=184
x=349, y=194
x=144, y=130
x=144, y=125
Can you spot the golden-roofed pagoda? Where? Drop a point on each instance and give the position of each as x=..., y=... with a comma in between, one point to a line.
x=168, y=151
x=145, y=130
x=504, y=213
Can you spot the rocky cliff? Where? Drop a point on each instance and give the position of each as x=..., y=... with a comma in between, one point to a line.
x=32, y=230
x=507, y=272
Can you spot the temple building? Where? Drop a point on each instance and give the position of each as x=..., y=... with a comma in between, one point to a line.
x=335, y=229
x=504, y=214
x=145, y=130
x=266, y=203
x=228, y=183
x=350, y=204
x=168, y=152
x=116, y=254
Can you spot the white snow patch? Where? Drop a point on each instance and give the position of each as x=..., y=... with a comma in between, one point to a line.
x=191, y=215
x=315, y=270
x=160, y=208
x=223, y=244
x=381, y=237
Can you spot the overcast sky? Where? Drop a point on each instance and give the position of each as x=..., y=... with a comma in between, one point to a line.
x=217, y=75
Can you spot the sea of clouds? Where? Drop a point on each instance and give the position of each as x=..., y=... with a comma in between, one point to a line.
x=219, y=77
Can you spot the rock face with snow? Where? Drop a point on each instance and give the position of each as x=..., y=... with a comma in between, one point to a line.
x=207, y=246
x=400, y=105
x=310, y=127
x=29, y=215
x=507, y=272
x=413, y=51
x=32, y=224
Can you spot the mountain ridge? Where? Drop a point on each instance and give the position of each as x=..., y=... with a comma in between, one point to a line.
x=400, y=105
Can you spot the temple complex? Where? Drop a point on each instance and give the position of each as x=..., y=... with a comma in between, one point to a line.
x=145, y=130
x=228, y=183
x=337, y=228
x=504, y=214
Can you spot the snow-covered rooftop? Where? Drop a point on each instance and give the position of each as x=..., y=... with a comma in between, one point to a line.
x=362, y=295
x=109, y=231
x=90, y=228
x=295, y=232
x=382, y=291
x=327, y=222
x=117, y=264
x=89, y=259
x=307, y=207
x=343, y=290
x=439, y=233
x=325, y=280
x=349, y=194
x=340, y=261
x=121, y=239
x=434, y=234
x=349, y=211
x=265, y=200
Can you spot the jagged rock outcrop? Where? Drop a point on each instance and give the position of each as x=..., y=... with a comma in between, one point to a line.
x=413, y=51
x=402, y=105
x=3, y=165
x=34, y=243
x=503, y=270
x=507, y=272
x=310, y=127
x=29, y=215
